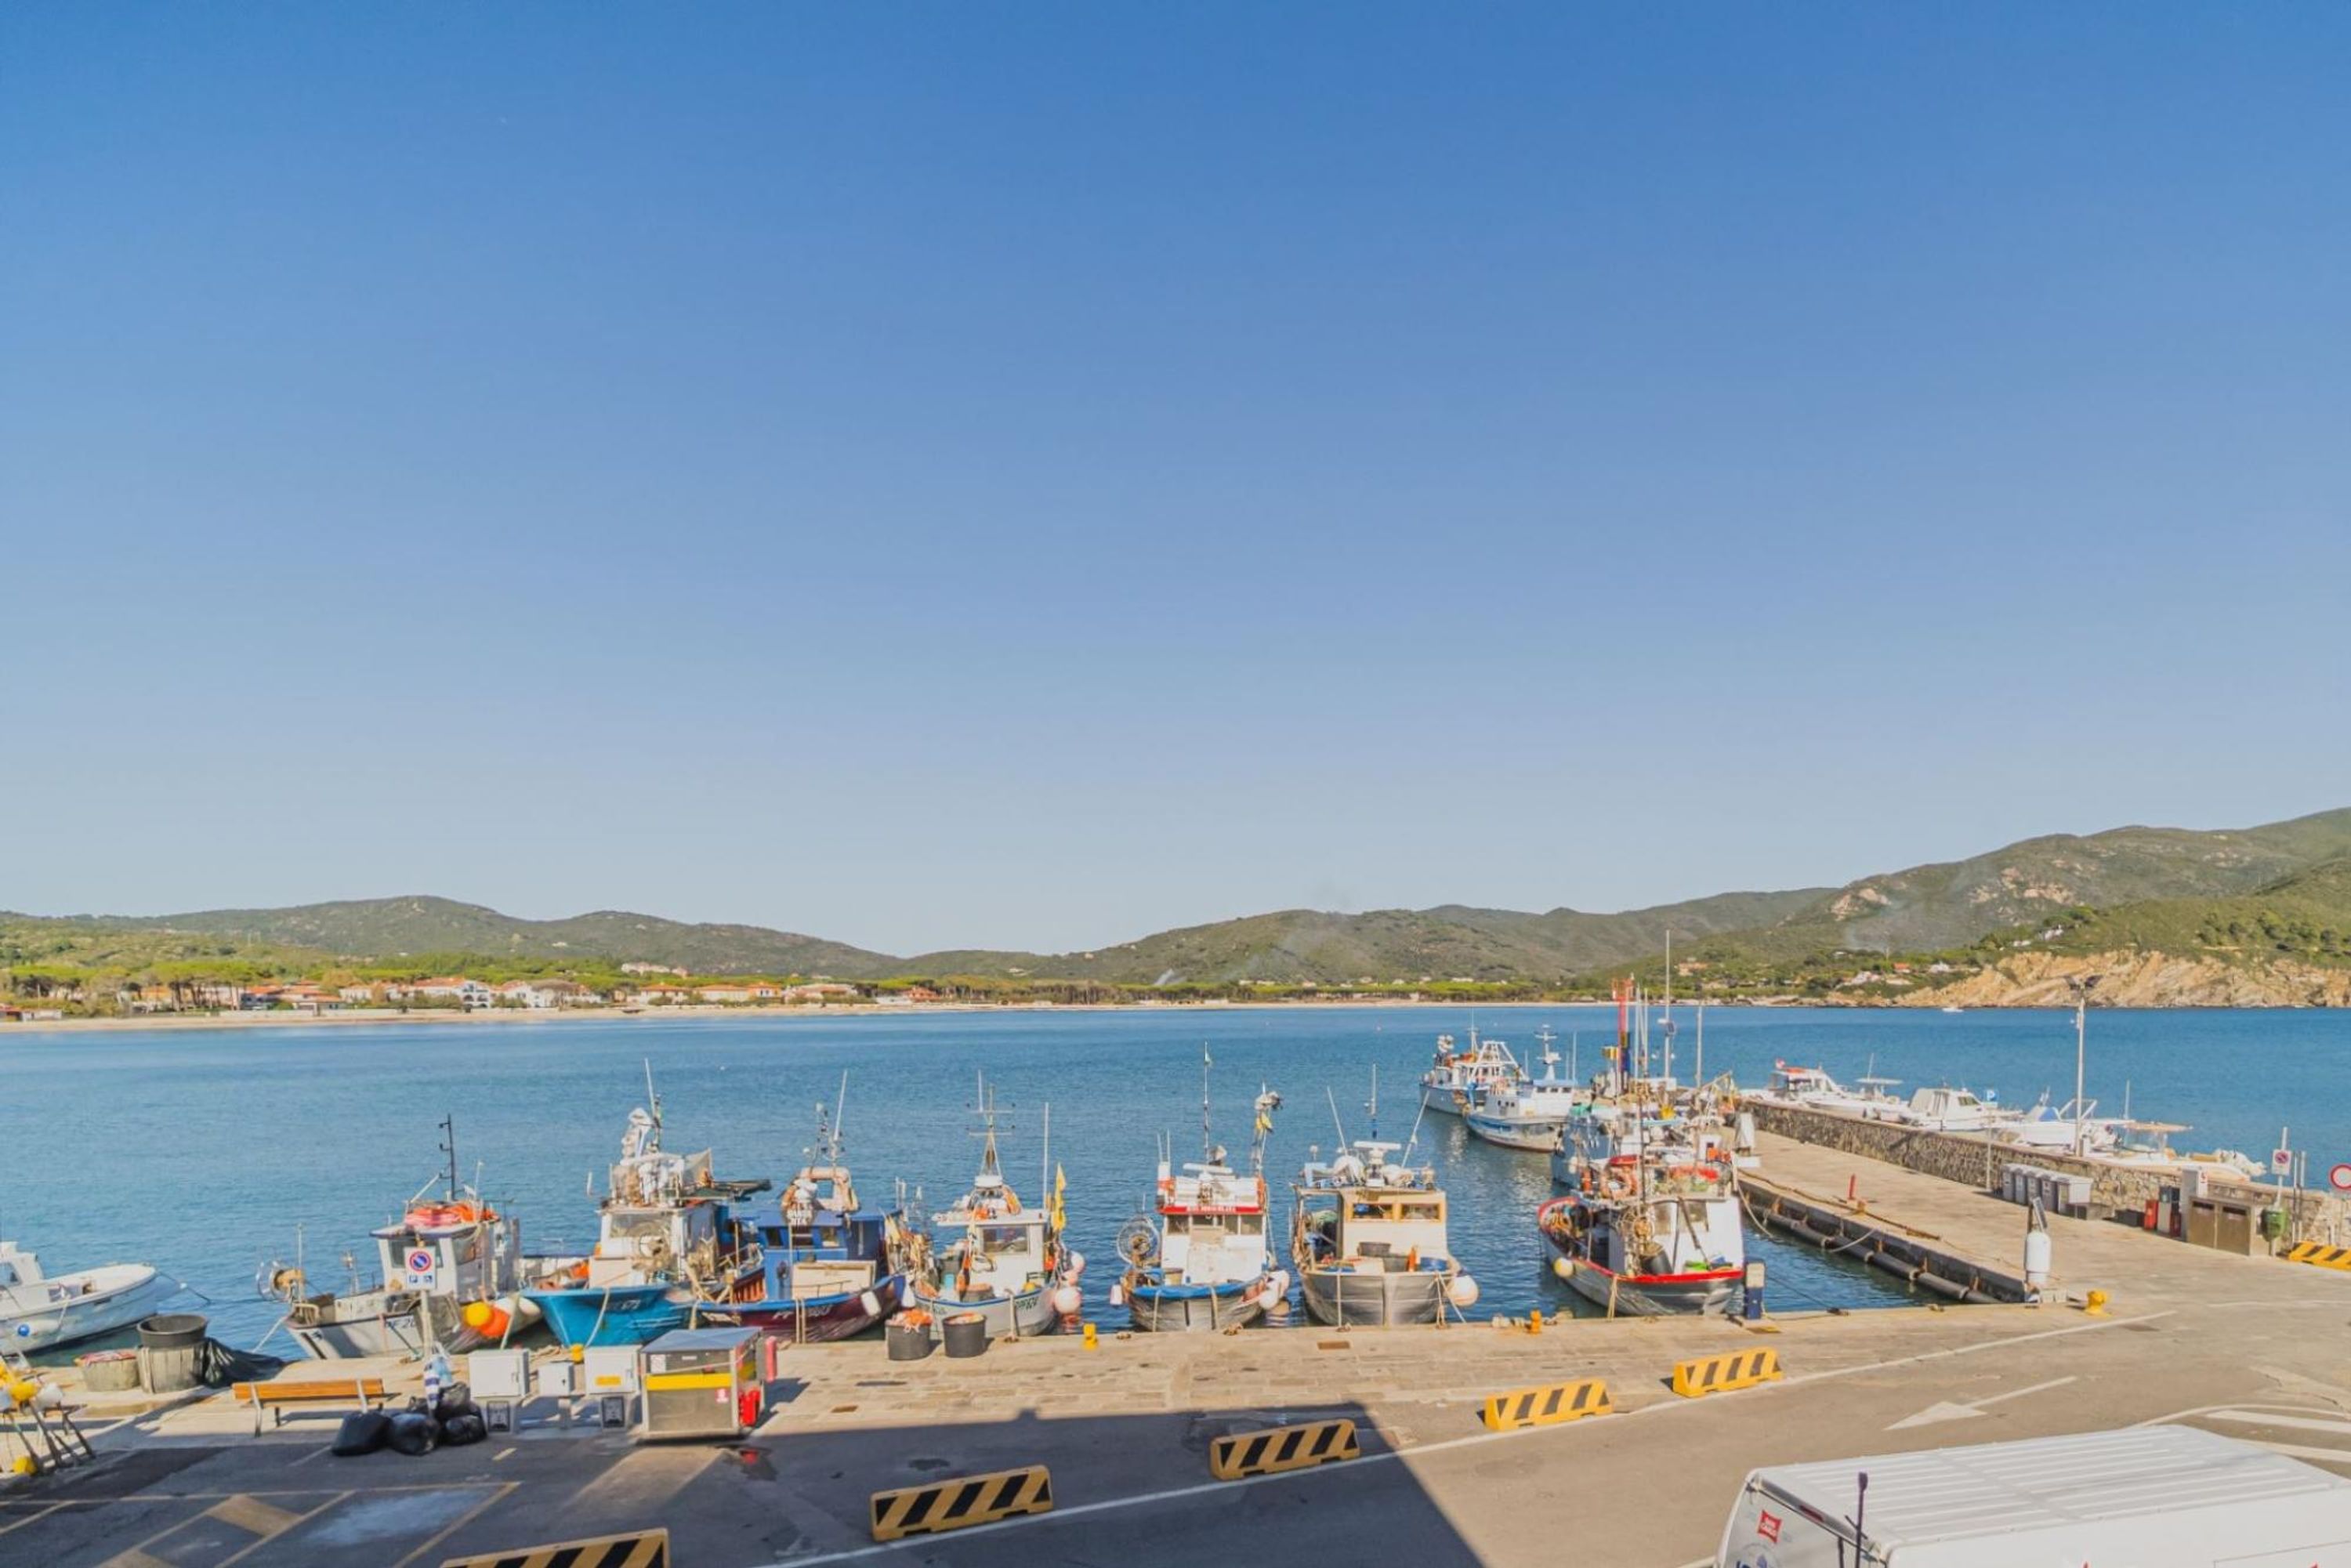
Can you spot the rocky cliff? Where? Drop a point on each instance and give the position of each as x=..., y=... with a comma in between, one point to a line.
x=2136, y=979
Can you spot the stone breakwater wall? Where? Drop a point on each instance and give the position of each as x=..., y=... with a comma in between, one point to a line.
x=1975, y=1160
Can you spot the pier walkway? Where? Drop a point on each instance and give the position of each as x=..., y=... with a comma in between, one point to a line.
x=2253, y=1347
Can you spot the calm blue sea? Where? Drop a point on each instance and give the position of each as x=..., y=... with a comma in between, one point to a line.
x=203, y=1152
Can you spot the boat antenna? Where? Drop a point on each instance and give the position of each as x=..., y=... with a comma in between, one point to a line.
x=653, y=1101
x=839, y=1104
x=1372, y=1106
x=1329, y=1094
x=1045, y=1158
x=449, y=1147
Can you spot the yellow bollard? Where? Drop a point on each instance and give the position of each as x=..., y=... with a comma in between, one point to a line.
x=2095, y=1304
x=1092, y=1342
x=1534, y=1321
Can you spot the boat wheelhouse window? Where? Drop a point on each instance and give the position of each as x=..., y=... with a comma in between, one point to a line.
x=629, y=1227
x=1004, y=1239
x=1424, y=1211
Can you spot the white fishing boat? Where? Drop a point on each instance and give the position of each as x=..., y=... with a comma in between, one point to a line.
x=40, y=1311
x=1525, y=1112
x=444, y=1259
x=1457, y=1073
x=1368, y=1238
x=1812, y=1088
x=990, y=1255
x=2056, y=1129
x=1653, y=1223
x=1201, y=1261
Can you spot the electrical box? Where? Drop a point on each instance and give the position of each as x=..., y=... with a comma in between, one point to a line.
x=703, y=1383
x=499, y=1374
x=609, y=1369
x=558, y=1379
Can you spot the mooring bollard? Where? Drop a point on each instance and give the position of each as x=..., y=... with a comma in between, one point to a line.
x=1092, y=1342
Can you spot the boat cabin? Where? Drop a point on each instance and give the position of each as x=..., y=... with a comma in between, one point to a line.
x=1360, y=1210
x=471, y=1251
x=1212, y=1226
x=1956, y=1109
x=817, y=1241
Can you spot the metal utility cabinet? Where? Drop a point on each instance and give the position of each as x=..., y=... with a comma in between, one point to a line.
x=702, y=1382
x=2225, y=1224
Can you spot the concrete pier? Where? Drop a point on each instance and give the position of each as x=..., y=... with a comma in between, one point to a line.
x=2250, y=1347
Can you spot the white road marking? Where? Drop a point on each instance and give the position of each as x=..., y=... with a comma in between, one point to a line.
x=2299, y=1423
x=1143, y=1499
x=1961, y=1411
x=2296, y=1451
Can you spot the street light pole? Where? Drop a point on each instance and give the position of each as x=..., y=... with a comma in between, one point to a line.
x=2081, y=1054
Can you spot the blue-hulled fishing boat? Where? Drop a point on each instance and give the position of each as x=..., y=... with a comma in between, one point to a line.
x=665, y=1248
x=829, y=1267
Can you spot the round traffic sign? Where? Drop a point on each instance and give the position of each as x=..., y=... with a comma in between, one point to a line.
x=420, y=1262
x=2339, y=1178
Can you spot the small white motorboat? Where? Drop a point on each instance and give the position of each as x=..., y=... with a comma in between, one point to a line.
x=40, y=1311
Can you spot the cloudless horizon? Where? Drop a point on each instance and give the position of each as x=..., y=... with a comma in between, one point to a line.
x=1036, y=477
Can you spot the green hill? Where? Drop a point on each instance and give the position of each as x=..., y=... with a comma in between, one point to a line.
x=2280, y=889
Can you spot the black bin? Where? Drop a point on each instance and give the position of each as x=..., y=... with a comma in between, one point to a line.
x=966, y=1334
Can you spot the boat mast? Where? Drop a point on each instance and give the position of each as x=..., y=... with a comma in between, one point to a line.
x=1374, y=1106
x=839, y=1104
x=1205, y=1144
x=449, y=1147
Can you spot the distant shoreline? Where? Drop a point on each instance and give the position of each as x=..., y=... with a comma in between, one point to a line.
x=357, y=1017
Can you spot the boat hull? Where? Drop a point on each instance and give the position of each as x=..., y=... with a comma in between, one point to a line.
x=1023, y=1316
x=616, y=1314
x=818, y=1320
x=1535, y=1136
x=1668, y=1293
x=136, y=1291
x=1440, y=1099
x=1346, y=1298
x=1195, y=1309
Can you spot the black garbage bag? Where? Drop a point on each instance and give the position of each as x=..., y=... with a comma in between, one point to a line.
x=364, y=1432
x=413, y=1432
x=457, y=1399
x=467, y=1427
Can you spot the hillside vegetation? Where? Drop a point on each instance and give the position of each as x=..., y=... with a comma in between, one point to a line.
x=2241, y=899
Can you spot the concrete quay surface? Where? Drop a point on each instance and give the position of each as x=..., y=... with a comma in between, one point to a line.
x=2252, y=1347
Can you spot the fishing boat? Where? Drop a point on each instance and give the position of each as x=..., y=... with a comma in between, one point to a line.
x=1525, y=1112
x=1456, y=1073
x=666, y=1251
x=40, y=1310
x=829, y=1267
x=1653, y=1224
x=1368, y=1236
x=990, y=1255
x=448, y=1274
x=1201, y=1261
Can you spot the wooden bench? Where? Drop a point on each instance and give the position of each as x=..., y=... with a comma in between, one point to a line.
x=275, y=1397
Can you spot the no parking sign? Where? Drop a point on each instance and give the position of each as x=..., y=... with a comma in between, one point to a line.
x=422, y=1271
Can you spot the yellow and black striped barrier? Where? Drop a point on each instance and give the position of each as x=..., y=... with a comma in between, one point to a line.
x=964, y=1500
x=1283, y=1448
x=635, y=1549
x=1543, y=1407
x=1721, y=1374
x=2320, y=1256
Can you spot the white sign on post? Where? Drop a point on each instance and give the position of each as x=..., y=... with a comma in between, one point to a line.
x=2339, y=1178
x=420, y=1266
x=2282, y=1160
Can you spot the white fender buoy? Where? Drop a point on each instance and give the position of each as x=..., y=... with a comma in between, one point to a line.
x=872, y=1304
x=1118, y=1295
x=1077, y=1268
x=1277, y=1284
x=1066, y=1300
x=1463, y=1291
x=1563, y=1267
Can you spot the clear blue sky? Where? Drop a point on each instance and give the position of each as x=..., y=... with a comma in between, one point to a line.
x=1033, y=476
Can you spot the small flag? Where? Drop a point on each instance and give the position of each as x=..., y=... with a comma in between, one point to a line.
x=1061, y=1210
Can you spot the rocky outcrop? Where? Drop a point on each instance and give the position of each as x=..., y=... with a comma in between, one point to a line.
x=2134, y=979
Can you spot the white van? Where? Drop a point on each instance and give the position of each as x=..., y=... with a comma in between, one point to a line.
x=2146, y=1497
